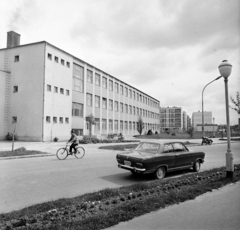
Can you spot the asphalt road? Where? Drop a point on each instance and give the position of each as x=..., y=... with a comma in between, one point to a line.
x=28, y=181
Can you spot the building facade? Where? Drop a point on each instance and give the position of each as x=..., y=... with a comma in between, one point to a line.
x=207, y=128
x=184, y=120
x=46, y=92
x=171, y=119
x=189, y=123
x=197, y=119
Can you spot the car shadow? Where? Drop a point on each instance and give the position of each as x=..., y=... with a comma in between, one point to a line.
x=127, y=178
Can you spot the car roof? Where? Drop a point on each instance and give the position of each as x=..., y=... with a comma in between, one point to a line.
x=161, y=142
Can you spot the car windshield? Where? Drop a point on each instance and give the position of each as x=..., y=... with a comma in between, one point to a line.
x=148, y=147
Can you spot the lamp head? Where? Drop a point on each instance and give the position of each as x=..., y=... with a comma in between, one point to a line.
x=225, y=69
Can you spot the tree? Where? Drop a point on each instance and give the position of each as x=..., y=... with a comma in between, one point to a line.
x=91, y=120
x=140, y=125
x=191, y=132
x=14, y=122
x=236, y=103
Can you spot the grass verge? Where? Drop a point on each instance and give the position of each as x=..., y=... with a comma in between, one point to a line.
x=108, y=207
x=130, y=146
x=119, y=147
x=20, y=153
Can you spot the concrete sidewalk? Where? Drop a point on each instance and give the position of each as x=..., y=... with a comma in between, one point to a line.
x=218, y=210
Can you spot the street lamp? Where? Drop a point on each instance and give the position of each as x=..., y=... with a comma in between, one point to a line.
x=213, y=127
x=203, y=133
x=225, y=70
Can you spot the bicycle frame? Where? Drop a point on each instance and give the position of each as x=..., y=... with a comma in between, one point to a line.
x=79, y=153
x=67, y=147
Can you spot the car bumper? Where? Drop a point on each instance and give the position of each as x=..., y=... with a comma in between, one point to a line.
x=139, y=170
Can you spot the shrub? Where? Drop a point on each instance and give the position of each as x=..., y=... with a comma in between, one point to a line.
x=88, y=140
x=55, y=139
x=9, y=137
x=173, y=134
x=106, y=141
x=84, y=141
x=95, y=140
x=156, y=132
x=149, y=132
x=21, y=149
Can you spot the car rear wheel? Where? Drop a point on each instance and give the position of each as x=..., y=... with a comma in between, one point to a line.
x=134, y=172
x=196, y=166
x=160, y=173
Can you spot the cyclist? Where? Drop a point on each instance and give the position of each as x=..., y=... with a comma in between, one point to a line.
x=73, y=139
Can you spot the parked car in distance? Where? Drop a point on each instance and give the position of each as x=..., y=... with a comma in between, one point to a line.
x=160, y=158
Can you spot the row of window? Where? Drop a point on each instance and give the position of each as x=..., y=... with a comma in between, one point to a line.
x=78, y=79
x=123, y=125
x=50, y=57
x=58, y=60
x=59, y=120
x=78, y=82
x=77, y=108
x=56, y=90
x=171, y=111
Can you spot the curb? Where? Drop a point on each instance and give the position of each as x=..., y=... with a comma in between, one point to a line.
x=27, y=156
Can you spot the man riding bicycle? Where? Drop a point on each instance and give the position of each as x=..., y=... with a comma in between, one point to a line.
x=73, y=139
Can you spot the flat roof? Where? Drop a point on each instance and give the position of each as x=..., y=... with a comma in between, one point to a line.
x=35, y=43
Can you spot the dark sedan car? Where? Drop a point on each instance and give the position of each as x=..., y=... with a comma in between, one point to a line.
x=160, y=158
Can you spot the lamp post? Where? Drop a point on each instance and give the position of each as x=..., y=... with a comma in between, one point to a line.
x=225, y=70
x=213, y=128
x=203, y=133
x=159, y=120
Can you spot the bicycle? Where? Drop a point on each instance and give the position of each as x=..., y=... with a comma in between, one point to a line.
x=63, y=153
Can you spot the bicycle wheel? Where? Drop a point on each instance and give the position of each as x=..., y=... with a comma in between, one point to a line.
x=62, y=154
x=80, y=152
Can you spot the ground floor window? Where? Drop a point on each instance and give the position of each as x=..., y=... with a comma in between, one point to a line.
x=97, y=124
x=116, y=124
x=104, y=124
x=78, y=132
x=121, y=125
x=110, y=124
x=126, y=125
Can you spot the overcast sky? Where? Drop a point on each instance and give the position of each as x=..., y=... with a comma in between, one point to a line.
x=169, y=49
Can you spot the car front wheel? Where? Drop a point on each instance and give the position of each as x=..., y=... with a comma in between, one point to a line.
x=160, y=173
x=196, y=166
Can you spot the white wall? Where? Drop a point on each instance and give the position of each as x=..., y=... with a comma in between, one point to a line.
x=56, y=104
x=27, y=103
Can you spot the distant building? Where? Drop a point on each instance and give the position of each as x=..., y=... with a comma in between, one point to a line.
x=189, y=123
x=184, y=120
x=207, y=128
x=171, y=119
x=197, y=119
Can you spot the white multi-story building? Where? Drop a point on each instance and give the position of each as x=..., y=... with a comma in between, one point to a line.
x=184, y=120
x=45, y=92
x=189, y=123
x=197, y=119
x=171, y=119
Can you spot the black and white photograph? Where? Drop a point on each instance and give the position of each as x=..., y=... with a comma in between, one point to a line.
x=120, y=114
